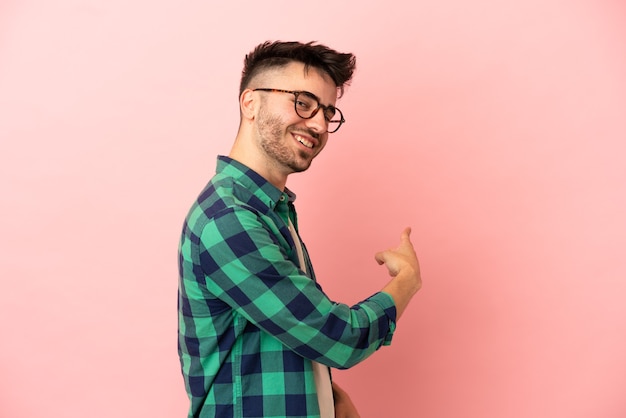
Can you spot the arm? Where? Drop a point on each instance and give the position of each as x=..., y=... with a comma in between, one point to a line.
x=404, y=269
x=245, y=262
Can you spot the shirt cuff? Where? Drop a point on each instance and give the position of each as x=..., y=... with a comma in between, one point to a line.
x=385, y=301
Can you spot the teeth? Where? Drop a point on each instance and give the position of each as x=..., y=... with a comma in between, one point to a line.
x=303, y=141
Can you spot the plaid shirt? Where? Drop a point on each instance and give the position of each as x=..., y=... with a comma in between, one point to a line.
x=250, y=320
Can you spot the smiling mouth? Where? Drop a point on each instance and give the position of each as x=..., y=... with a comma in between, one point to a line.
x=303, y=141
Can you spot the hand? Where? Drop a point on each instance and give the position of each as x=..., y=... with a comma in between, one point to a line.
x=401, y=257
x=344, y=408
x=403, y=266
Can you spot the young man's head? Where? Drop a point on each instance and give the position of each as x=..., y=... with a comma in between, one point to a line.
x=287, y=101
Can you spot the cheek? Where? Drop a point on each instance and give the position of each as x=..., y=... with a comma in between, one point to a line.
x=270, y=123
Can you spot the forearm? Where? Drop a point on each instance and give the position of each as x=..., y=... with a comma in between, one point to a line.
x=402, y=288
x=353, y=333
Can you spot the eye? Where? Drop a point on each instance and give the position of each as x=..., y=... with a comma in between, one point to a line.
x=303, y=104
x=306, y=101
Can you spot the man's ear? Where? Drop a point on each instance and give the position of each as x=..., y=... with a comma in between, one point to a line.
x=248, y=103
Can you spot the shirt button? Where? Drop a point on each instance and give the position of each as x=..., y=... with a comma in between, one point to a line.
x=282, y=198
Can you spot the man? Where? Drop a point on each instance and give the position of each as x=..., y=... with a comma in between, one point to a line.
x=257, y=334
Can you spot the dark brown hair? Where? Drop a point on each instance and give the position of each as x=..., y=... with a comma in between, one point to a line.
x=338, y=66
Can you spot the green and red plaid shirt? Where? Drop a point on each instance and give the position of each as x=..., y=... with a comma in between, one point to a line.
x=250, y=320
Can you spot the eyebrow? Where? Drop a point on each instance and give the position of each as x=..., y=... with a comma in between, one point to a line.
x=329, y=106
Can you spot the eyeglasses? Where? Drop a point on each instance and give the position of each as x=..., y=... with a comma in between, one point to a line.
x=307, y=105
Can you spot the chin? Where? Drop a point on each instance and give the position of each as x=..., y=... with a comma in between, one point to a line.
x=300, y=167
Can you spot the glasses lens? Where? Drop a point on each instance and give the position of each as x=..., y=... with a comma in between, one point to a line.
x=336, y=121
x=305, y=105
x=329, y=113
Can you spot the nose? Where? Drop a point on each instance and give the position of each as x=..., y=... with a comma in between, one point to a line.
x=318, y=122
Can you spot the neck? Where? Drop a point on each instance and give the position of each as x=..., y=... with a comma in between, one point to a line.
x=249, y=156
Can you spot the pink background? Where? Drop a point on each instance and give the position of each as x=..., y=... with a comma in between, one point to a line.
x=497, y=130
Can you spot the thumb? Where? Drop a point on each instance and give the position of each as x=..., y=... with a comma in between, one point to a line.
x=405, y=236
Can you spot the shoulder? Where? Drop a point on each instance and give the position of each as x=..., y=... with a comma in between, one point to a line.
x=229, y=205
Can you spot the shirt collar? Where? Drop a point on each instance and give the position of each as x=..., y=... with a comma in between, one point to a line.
x=253, y=181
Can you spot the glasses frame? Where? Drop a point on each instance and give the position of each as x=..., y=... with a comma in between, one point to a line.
x=296, y=93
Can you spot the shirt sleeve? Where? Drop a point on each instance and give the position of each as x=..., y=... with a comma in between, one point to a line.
x=246, y=264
